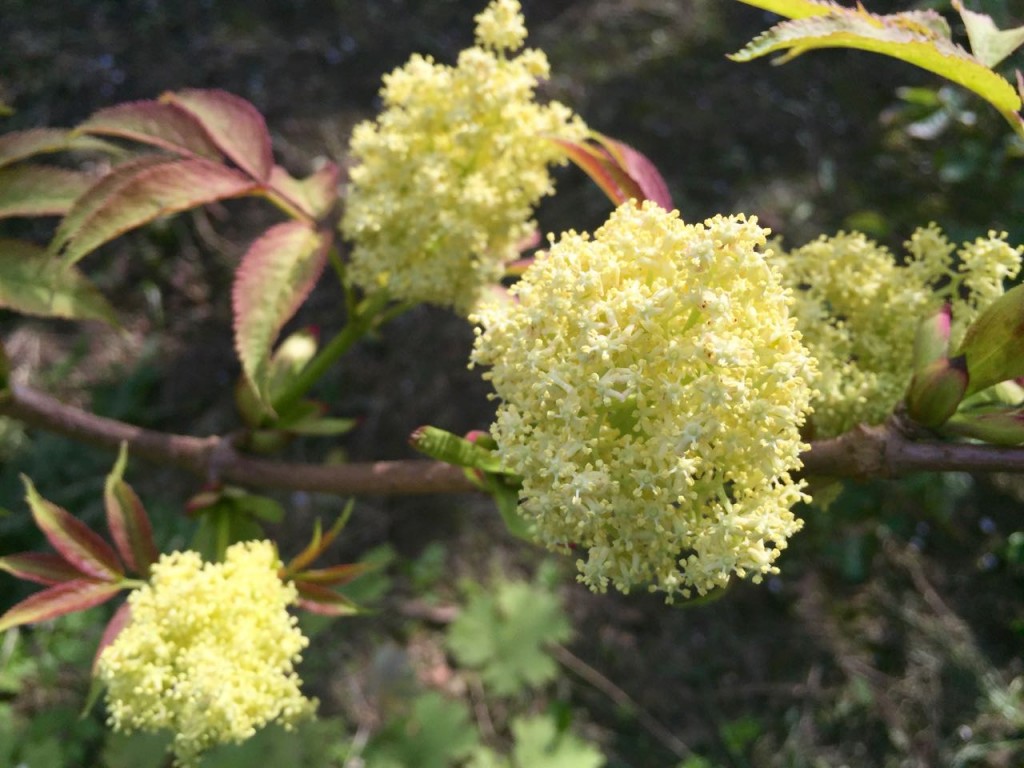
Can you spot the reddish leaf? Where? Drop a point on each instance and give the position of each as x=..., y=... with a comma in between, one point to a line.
x=40, y=567
x=117, y=622
x=320, y=541
x=639, y=169
x=155, y=123
x=275, y=276
x=233, y=124
x=326, y=602
x=314, y=195
x=143, y=194
x=127, y=519
x=602, y=169
x=72, y=538
x=34, y=284
x=18, y=145
x=334, y=576
x=69, y=597
x=39, y=190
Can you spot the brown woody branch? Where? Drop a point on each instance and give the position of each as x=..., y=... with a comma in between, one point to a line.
x=863, y=452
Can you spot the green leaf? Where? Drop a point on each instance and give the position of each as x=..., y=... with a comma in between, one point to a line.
x=39, y=190
x=502, y=633
x=233, y=124
x=989, y=44
x=921, y=38
x=19, y=145
x=40, y=567
x=276, y=275
x=126, y=517
x=73, y=539
x=137, y=193
x=452, y=449
x=58, y=600
x=539, y=744
x=1000, y=427
x=155, y=123
x=437, y=734
x=34, y=284
x=936, y=391
x=994, y=342
x=320, y=541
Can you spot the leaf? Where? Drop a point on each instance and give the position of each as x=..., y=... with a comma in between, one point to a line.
x=126, y=517
x=921, y=38
x=277, y=273
x=39, y=190
x=144, y=194
x=502, y=633
x=72, y=538
x=989, y=44
x=452, y=449
x=999, y=427
x=58, y=600
x=315, y=195
x=320, y=541
x=233, y=124
x=19, y=145
x=795, y=9
x=324, y=601
x=437, y=733
x=334, y=576
x=33, y=284
x=40, y=567
x=122, y=616
x=539, y=744
x=640, y=170
x=602, y=170
x=994, y=342
x=155, y=123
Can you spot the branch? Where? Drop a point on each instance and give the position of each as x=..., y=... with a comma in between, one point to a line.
x=863, y=452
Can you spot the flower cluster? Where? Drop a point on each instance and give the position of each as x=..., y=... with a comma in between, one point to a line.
x=447, y=176
x=652, y=386
x=859, y=310
x=209, y=652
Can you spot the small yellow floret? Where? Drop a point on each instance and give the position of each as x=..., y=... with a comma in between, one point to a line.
x=209, y=653
x=446, y=178
x=859, y=310
x=652, y=387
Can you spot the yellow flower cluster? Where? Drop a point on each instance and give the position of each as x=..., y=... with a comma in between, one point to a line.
x=859, y=310
x=446, y=178
x=652, y=386
x=209, y=652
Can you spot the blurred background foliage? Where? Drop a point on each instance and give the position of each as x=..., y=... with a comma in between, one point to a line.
x=893, y=636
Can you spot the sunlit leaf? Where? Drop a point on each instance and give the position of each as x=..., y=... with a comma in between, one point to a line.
x=641, y=171
x=39, y=190
x=141, y=194
x=34, y=284
x=795, y=9
x=921, y=38
x=540, y=744
x=276, y=275
x=314, y=195
x=989, y=44
x=40, y=567
x=126, y=517
x=994, y=342
x=73, y=539
x=117, y=622
x=602, y=170
x=154, y=123
x=19, y=145
x=452, y=449
x=233, y=124
x=58, y=600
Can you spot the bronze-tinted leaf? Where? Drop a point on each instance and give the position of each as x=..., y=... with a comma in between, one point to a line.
x=34, y=284
x=276, y=275
x=320, y=541
x=122, y=616
x=73, y=539
x=314, y=195
x=155, y=123
x=144, y=194
x=60, y=599
x=19, y=145
x=641, y=171
x=39, y=190
x=40, y=567
x=321, y=600
x=233, y=124
x=126, y=517
x=333, y=576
